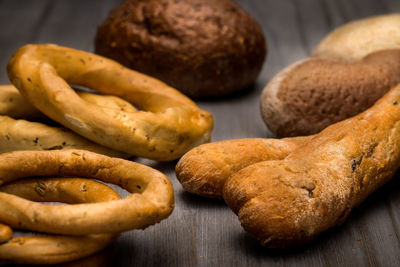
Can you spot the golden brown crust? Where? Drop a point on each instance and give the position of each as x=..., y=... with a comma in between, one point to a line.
x=38, y=250
x=151, y=199
x=53, y=249
x=6, y=233
x=168, y=125
x=216, y=47
x=204, y=169
x=13, y=104
x=290, y=201
x=102, y=258
x=25, y=135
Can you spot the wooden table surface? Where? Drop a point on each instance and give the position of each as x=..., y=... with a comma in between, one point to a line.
x=204, y=232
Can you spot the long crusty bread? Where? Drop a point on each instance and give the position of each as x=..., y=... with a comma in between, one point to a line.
x=290, y=201
x=204, y=169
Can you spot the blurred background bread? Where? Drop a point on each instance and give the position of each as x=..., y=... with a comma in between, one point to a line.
x=204, y=48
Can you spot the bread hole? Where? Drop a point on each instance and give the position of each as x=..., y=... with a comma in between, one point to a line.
x=309, y=190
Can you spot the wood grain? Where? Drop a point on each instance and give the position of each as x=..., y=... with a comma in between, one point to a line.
x=203, y=232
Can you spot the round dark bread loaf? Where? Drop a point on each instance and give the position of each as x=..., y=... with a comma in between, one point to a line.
x=204, y=48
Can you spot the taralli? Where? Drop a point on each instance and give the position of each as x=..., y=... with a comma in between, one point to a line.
x=290, y=201
x=6, y=233
x=351, y=69
x=26, y=135
x=52, y=249
x=13, y=104
x=150, y=201
x=204, y=169
x=102, y=258
x=168, y=125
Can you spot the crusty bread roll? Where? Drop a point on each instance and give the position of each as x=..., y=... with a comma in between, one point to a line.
x=204, y=48
x=350, y=69
x=356, y=39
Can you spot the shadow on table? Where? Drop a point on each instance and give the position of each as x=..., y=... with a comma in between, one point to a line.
x=196, y=201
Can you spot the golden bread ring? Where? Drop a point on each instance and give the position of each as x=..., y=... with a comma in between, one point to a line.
x=53, y=249
x=151, y=199
x=13, y=104
x=25, y=135
x=168, y=125
x=6, y=233
x=102, y=258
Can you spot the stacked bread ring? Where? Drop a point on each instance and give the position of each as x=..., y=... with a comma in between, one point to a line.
x=85, y=228
x=167, y=125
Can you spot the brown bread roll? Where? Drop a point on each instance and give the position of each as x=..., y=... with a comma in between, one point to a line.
x=204, y=48
x=349, y=70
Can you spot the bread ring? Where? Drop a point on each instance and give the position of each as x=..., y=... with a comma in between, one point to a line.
x=170, y=125
x=331, y=86
x=151, y=199
x=26, y=135
x=6, y=233
x=13, y=104
x=56, y=249
x=204, y=169
x=102, y=258
x=290, y=201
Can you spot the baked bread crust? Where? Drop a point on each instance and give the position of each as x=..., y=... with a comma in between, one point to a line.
x=204, y=48
x=19, y=134
x=25, y=135
x=311, y=94
x=151, y=197
x=167, y=125
x=52, y=249
x=290, y=201
x=349, y=70
x=357, y=39
x=204, y=169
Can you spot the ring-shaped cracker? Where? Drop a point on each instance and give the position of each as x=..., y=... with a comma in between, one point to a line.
x=168, y=125
x=150, y=201
x=52, y=249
